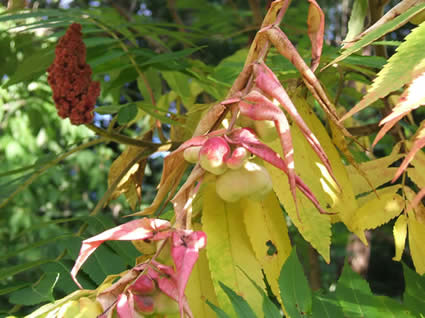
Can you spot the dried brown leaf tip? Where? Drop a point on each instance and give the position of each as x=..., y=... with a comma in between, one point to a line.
x=69, y=77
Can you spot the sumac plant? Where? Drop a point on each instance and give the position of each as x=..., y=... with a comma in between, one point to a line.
x=232, y=168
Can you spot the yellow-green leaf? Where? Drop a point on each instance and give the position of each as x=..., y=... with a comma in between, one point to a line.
x=314, y=227
x=416, y=243
x=377, y=171
x=267, y=231
x=400, y=233
x=377, y=211
x=340, y=200
x=228, y=249
x=417, y=173
x=131, y=183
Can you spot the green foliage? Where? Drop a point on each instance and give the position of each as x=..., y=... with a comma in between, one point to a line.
x=294, y=289
x=352, y=296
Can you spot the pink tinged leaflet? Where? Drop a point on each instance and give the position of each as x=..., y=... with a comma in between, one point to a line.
x=185, y=252
x=247, y=139
x=141, y=229
x=316, y=29
x=257, y=107
x=167, y=283
x=267, y=81
x=125, y=306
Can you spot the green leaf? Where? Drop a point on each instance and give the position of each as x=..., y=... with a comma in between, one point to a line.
x=269, y=308
x=220, y=312
x=151, y=110
x=242, y=309
x=152, y=76
x=414, y=294
x=389, y=307
x=63, y=268
x=379, y=32
x=108, y=109
x=357, y=17
x=399, y=70
x=37, y=293
x=354, y=295
x=32, y=67
x=326, y=306
x=294, y=288
x=102, y=263
x=179, y=83
x=126, y=114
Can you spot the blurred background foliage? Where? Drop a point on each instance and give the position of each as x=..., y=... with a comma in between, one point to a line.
x=41, y=228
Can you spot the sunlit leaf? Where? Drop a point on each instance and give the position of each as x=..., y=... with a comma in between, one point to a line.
x=416, y=243
x=379, y=32
x=400, y=234
x=39, y=292
x=266, y=228
x=377, y=171
x=134, y=230
x=229, y=248
x=375, y=211
x=400, y=68
x=357, y=17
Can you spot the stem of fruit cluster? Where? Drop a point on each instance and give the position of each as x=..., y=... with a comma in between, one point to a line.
x=257, y=52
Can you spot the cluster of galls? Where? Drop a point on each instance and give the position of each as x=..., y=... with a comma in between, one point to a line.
x=237, y=175
x=69, y=77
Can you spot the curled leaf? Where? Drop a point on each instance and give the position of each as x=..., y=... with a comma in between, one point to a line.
x=185, y=252
x=141, y=229
x=268, y=82
x=125, y=306
x=167, y=283
x=400, y=233
x=258, y=107
x=316, y=29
